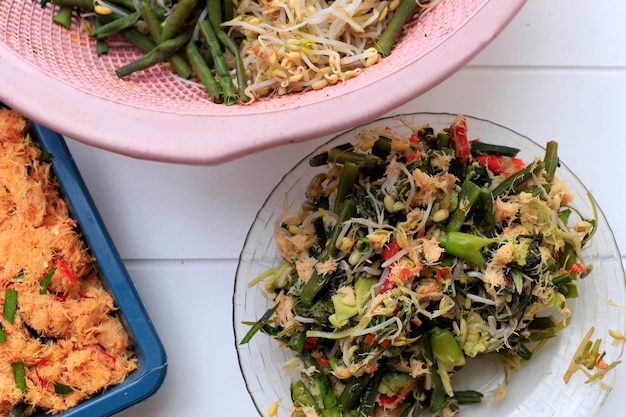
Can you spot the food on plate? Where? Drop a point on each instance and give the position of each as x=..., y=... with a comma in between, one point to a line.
x=414, y=252
x=61, y=341
x=242, y=50
x=591, y=360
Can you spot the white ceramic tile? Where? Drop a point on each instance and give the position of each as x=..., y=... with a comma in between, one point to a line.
x=561, y=33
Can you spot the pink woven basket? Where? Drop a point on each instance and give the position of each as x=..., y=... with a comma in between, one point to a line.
x=54, y=76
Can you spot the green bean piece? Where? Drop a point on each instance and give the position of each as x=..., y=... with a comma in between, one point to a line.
x=240, y=69
x=368, y=399
x=349, y=176
x=370, y=164
x=391, y=32
x=63, y=16
x=318, y=281
x=482, y=148
x=489, y=216
x=149, y=16
x=10, y=305
x=258, y=325
x=301, y=395
x=382, y=147
x=561, y=279
x=79, y=4
x=438, y=396
x=141, y=41
x=214, y=8
x=18, y=410
x=3, y=336
x=115, y=26
x=158, y=54
x=467, y=197
x=223, y=74
x=229, y=10
x=329, y=400
x=19, y=375
x=126, y=4
x=176, y=20
x=203, y=72
x=513, y=181
x=468, y=396
x=102, y=47
x=550, y=162
x=351, y=394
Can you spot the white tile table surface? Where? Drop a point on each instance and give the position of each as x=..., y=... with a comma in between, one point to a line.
x=558, y=71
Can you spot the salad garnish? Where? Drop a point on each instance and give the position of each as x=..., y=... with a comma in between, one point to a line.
x=411, y=255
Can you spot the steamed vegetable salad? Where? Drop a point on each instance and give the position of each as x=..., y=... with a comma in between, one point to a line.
x=241, y=50
x=413, y=254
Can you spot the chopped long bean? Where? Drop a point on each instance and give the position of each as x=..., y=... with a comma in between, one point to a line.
x=176, y=20
x=315, y=284
x=81, y=4
x=467, y=197
x=239, y=66
x=221, y=68
x=203, y=72
x=391, y=32
x=153, y=24
x=115, y=26
x=550, y=162
x=158, y=54
x=482, y=148
x=515, y=180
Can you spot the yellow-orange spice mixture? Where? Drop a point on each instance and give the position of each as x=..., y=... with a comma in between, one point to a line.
x=67, y=334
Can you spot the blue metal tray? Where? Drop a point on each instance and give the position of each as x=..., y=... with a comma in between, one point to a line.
x=151, y=356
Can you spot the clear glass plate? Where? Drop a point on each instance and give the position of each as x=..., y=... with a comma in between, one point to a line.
x=537, y=389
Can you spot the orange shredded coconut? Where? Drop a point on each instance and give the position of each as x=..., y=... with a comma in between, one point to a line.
x=69, y=334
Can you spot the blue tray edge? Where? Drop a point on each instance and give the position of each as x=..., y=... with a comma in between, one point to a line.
x=152, y=357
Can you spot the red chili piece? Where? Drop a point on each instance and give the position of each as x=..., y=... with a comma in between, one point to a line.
x=458, y=136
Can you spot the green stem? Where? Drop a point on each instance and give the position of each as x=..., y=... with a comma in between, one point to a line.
x=349, y=176
x=240, y=69
x=318, y=281
x=467, y=197
x=258, y=325
x=153, y=23
x=221, y=68
x=393, y=29
x=203, y=72
x=513, y=181
x=550, y=162
x=115, y=26
x=176, y=20
x=158, y=54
